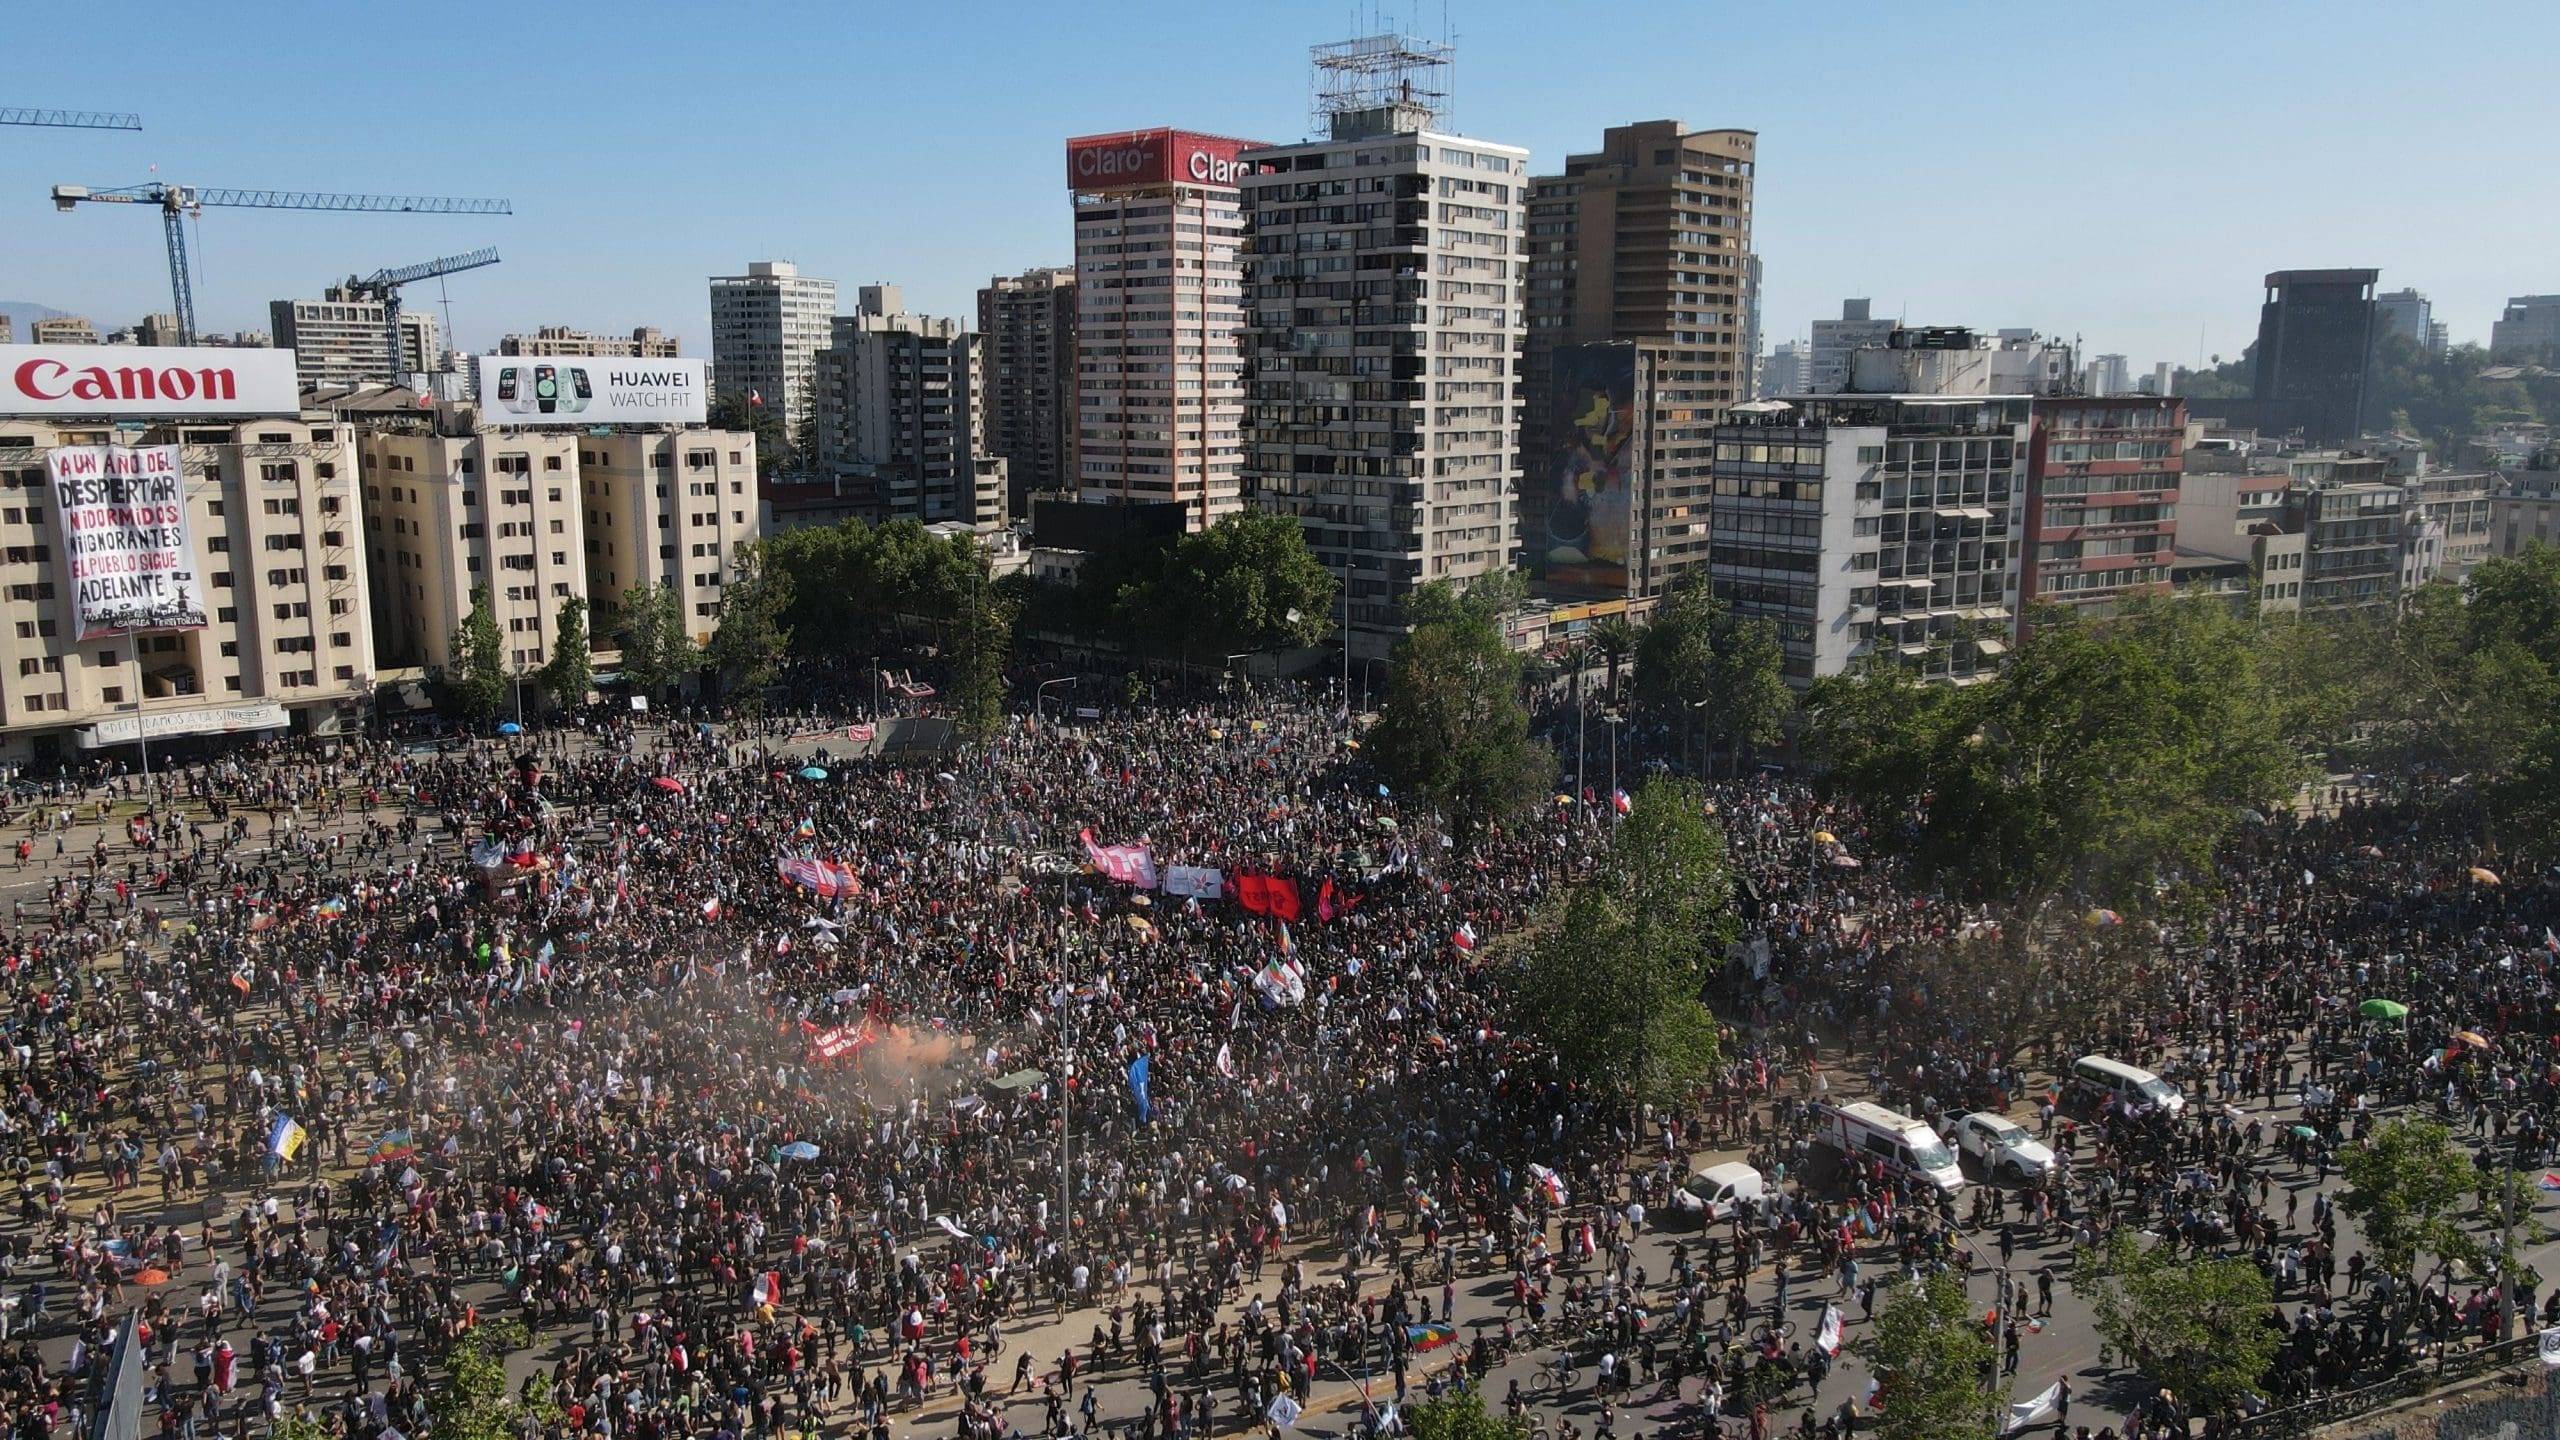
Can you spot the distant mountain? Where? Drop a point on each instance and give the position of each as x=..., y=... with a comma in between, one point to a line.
x=22, y=313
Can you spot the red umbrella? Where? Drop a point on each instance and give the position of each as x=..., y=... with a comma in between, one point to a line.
x=670, y=784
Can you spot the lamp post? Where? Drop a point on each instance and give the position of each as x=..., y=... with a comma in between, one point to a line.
x=1042, y=689
x=1613, y=719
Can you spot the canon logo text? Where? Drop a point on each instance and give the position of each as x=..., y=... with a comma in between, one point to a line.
x=48, y=379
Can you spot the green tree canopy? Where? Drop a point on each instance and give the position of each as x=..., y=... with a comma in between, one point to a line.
x=1701, y=670
x=1245, y=584
x=1935, y=1366
x=657, y=650
x=2410, y=1188
x=570, y=672
x=1453, y=730
x=2199, y=1327
x=1612, y=978
x=856, y=591
x=2106, y=761
x=476, y=673
x=1460, y=1415
x=736, y=412
x=749, y=647
x=473, y=1401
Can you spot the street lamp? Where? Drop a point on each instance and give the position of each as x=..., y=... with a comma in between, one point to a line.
x=1042, y=689
x=1613, y=719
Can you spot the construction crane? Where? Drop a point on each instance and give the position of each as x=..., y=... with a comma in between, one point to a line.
x=384, y=285
x=69, y=119
x=177, y=202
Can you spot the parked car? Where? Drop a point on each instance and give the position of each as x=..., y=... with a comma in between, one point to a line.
x=1719, y=1190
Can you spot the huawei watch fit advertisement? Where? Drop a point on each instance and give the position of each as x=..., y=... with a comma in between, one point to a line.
x=552, y=390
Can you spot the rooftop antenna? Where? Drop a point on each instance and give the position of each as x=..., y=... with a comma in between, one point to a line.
x=1381, y=71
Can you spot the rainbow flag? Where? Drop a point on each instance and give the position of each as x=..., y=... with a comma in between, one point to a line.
x=394, y=1145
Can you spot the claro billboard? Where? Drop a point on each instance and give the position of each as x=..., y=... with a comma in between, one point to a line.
x=154, y=381
x=546, y=390
x=1154, y=157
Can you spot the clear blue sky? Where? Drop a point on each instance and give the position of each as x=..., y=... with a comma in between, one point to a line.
x=2125, y=173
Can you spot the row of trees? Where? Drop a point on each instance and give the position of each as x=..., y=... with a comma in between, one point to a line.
x=1247, y=584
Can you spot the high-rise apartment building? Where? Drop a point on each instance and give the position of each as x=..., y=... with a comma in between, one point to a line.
x=1875, y=524
x=1028, y=325
x=2315, y=344
x=2528, y=329
x=1834, y=341
x=2102, y=499
x=646, y=342
x=539, y=515
x=1386, y=270
x=2407, y=314
x=897, y=404
x=666, y=507
x=341, y=340
x=2107, y=375
x=767, y=327
x=451, y=506
x=1646, y=240
x=271, y=514
x=1786, y=370
x=1159, y=318
x=61, y=330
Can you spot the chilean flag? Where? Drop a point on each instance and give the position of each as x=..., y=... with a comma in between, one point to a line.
x=1618, y=801
x=711, y=908
x=768, y=1289
x=1465, y=939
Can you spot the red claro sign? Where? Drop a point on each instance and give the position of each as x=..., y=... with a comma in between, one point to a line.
x=1153, y=157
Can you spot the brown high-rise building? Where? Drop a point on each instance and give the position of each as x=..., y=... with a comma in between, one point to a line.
x=1029, y=321
x=1646, y=240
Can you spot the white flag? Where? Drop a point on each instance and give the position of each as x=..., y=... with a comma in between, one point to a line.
x=1283, y=1412
x=2023, y=1413
x=2551, y=1346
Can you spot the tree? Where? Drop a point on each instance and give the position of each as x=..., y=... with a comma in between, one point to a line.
x=1701, y=670
x=476, y=672
x=737, y=412
x=2410, y=1187
x=1460, y=1415
x=1619, y=1012
x=472, y=1401
x=657, y=652
x=1614, y=636
x=2198, y=1327
x=570, y=672
x=1453, y=729
x=979, y=642
x=1936, y=1366
x=751, y=641
x=1245, y=584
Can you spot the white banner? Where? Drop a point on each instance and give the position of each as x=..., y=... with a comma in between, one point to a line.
x=2023, y=1413
x=152, y=380
x=1198, y=881
x=542, y=390
x=121, y=513
x=2551, y=1346
x=161, y=724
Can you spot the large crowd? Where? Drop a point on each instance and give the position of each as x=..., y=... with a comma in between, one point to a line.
x=323, y=1058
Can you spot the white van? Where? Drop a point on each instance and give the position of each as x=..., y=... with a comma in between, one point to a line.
x=1719, y=1190
x=1865, y=1133
x=2102, y=1080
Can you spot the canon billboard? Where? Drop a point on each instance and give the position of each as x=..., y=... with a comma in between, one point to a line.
x=1143, y=158
x=155, y=381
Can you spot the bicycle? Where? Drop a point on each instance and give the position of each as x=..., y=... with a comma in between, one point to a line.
x=1558, y=1376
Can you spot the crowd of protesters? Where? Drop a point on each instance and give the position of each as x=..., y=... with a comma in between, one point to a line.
x=325, y=1055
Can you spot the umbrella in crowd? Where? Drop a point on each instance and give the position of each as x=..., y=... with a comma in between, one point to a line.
x=2378, y=1009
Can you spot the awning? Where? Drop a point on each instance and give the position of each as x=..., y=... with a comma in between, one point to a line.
x=1992, y=647
x=1965, y=512
x=165, y=724
x=410, y=695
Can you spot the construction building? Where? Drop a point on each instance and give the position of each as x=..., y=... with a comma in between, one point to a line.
x=271, y=515
x=1028, y=325
x=342, y=340
x=1159, y=320
x=1386, y=267
x=1644, y=243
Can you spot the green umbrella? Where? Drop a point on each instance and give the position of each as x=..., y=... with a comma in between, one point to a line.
x=2306, y=1132
x=2383, y=1010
